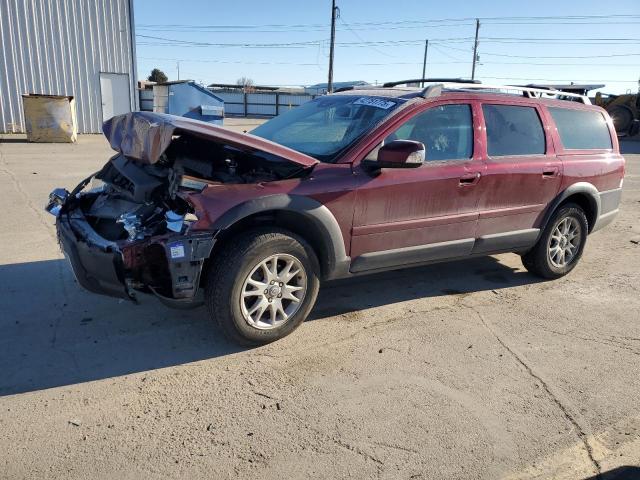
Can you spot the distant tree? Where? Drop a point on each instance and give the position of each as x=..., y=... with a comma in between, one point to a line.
x=247, y=84
x=157, y=76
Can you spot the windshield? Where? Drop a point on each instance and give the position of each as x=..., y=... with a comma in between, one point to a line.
x=326, y=126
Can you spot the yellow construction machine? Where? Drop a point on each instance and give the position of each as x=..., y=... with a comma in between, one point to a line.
x=624, y=110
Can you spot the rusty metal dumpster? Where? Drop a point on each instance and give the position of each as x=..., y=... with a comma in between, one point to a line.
x=50, y=118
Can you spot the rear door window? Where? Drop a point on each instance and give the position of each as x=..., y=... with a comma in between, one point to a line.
x=581, y=129
x=513, y=130
x=445, y=130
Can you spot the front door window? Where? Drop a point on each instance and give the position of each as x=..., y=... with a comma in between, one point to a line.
x=445, y=130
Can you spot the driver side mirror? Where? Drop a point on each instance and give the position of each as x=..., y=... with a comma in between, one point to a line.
x=399, y=154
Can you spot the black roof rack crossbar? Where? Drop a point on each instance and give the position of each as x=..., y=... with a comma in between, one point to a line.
x=344, y=89
x=429, y=80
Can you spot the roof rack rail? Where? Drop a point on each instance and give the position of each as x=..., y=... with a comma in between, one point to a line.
x=344, y=89
x=435, y=90
x=580, y=88
x=428, y=80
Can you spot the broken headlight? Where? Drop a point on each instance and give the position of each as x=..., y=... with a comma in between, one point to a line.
x=57, y=199
x=176, y=222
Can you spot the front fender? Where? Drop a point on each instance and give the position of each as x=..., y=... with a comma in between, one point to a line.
x=324, y=223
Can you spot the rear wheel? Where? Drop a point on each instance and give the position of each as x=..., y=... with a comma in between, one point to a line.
x=263, y=286
x=561, y=244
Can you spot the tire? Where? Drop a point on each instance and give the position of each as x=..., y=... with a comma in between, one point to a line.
x=622, y=117
x=545, y=258
x=248, y=261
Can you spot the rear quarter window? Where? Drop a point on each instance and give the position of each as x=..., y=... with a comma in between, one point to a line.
x=581, y=129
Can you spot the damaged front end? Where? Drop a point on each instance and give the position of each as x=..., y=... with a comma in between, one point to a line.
x=130, y=234
x=131, y=228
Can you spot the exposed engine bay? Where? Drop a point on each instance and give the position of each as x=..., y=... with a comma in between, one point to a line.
x=138, y=200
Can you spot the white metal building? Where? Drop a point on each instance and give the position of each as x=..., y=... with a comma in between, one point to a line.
x=83, y=48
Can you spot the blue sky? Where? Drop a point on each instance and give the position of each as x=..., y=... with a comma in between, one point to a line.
x=512, y=50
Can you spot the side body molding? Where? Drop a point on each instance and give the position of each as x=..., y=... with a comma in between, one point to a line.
x=336, y=261
x=585, y=188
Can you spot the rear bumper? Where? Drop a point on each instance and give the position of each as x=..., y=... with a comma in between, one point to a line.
x=609, y=208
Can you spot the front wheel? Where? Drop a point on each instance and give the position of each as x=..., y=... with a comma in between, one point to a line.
x=262, y=286
x=561, y=244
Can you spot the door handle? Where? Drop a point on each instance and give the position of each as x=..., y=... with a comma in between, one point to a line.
x=469, y=179
x=550, y=172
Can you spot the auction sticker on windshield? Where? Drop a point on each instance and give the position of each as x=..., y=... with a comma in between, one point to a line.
x=374, y=102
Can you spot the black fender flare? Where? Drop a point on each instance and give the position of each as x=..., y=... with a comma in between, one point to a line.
x=585, y=188
x=337, y=261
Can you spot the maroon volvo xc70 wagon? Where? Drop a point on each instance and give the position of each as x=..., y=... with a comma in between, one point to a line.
x=364, y=180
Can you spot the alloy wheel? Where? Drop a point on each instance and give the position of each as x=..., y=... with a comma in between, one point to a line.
x=564, y=242
x=273, y=291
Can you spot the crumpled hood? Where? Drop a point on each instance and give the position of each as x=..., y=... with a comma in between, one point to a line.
x=144, y=136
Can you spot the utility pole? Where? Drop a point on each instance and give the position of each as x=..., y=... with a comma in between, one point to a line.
x=424, y=62
x=334, y=11
x=475, y=51
x=178, y=68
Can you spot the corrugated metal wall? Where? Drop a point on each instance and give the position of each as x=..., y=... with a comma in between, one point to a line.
x=262, y=103
x=59, y=47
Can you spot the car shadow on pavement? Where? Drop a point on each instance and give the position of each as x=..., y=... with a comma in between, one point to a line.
x=451, y=278
x=11, y=139
x=53, y=333
x=625, y=472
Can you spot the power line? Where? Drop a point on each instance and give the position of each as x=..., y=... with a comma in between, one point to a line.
x=448, y=47
x=562, y=64
x=192, y=43
x=204, y=29
x=355, y=34
x=314, y=43
x=358, y=25
x=382, y=64
x=563, y=39
x=600, y=20
x=286, y=44
x=555, y=56
x=512, y=19
x=440, y=48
